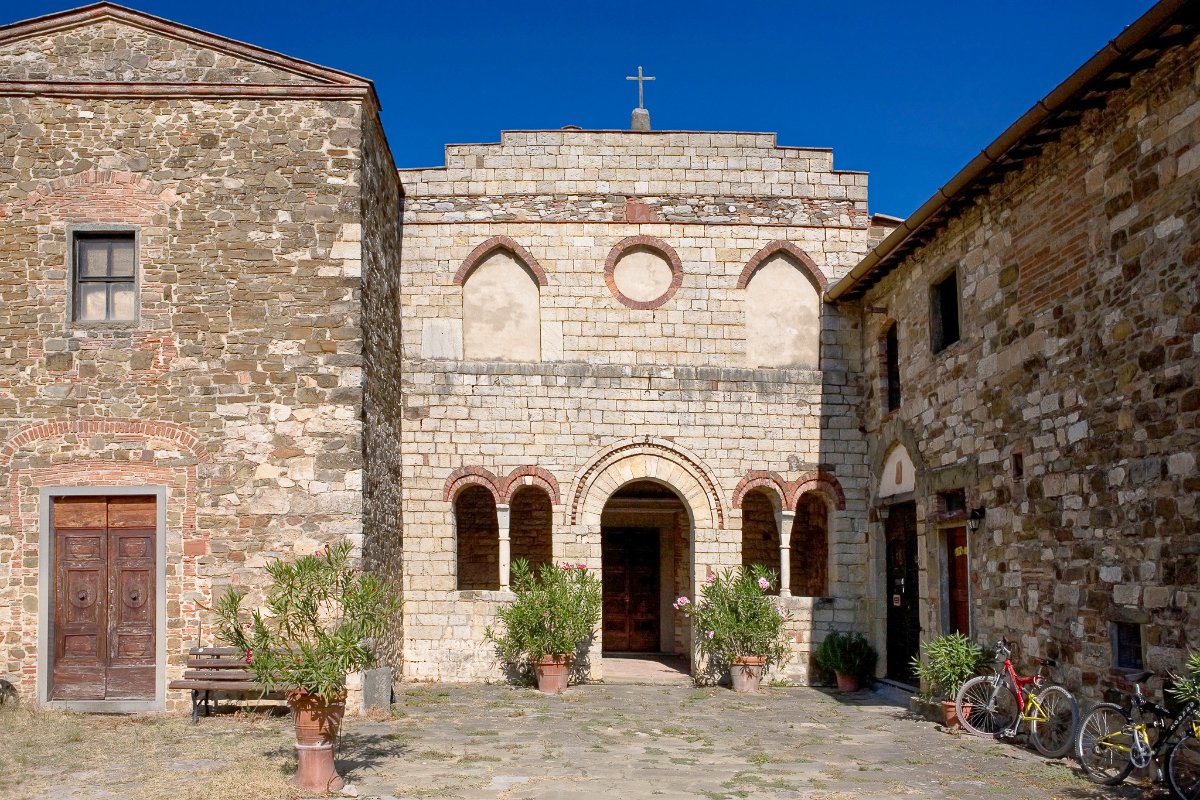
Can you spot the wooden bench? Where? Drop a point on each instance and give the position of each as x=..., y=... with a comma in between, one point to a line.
x=213, y=671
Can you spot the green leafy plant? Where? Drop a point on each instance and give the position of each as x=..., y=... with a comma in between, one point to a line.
x=848, y=654
x=950, y=661
x=318, y=624
x=556, y=610
x=1186, y=688
x=735, y=617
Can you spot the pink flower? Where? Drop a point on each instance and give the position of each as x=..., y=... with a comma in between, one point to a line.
x=581, y=567
x=710, y=634
x=249, y=655
x=681, y=603
x=710, y=579
x=764, y=584
x=566, y=567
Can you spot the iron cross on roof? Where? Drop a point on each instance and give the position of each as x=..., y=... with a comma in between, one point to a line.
x=639, y=78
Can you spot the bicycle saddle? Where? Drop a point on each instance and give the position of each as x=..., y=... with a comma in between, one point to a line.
x=1139, y=677
x=1049, y=662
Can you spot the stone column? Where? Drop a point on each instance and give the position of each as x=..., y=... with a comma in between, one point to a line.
x=503, y=515
x=784, y=519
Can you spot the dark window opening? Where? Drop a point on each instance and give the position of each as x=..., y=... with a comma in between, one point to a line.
x=892, y=348
x=945, y=312
x=953, y=502
x=1018, y=466
x=1127, y=642
x=105, y=282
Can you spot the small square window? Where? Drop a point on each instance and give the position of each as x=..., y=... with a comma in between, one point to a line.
x=1127, y=645
x=105, y=276
x=953, y=502
x=944, y=324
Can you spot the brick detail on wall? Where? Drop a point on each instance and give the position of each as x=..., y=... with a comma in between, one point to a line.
x=774, y=248
x=647, y=243
x=132, y=429
x=466, y=476
x=529, y=476
x=485, y=249
x=761, y=479
x=113, y=196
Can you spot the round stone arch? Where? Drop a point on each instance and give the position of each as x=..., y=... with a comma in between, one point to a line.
x=646, y=459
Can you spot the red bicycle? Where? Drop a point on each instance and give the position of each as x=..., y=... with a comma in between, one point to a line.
x=996, y=705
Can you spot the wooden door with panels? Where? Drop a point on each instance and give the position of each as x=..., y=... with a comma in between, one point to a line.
x=630, y=561
x=104, y=595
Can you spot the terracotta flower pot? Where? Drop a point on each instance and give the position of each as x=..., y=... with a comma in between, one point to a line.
x=847, y=683
x=950, y=714
x=746, y=673
x=553, y=671
x=317, y=724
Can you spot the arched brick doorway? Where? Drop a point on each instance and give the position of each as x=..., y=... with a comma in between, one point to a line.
x=645, y=562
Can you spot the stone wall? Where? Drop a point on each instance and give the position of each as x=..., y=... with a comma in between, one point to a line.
x=1069, y=409
x=238, y=388
x=623, y=388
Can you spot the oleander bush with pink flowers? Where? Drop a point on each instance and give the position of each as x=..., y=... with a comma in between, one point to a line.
x=736, y=617
x=556, y=611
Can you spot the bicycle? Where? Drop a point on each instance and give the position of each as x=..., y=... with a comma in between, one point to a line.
x=1110, y=743
x=1183, y=764
x=996, y=705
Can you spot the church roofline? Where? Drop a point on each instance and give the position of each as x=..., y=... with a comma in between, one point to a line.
x=1108, y=70
x=333, y=79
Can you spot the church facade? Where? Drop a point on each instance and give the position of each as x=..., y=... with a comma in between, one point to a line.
x=233, y=331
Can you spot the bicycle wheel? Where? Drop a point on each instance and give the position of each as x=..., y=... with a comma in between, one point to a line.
x=1103, y=744
x=1183, y=769
x=1053, y=730
x=985, y=706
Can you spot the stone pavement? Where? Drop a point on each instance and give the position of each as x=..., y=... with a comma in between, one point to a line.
x=634, y=741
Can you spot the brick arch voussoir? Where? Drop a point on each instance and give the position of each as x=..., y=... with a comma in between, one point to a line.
x=134, y=182
x=761, y=479
x=485, y=249
x=103, y=426
x=530, y=476
x=819, y=481
x=650, y=243
x=463, y=477
x=806, y=263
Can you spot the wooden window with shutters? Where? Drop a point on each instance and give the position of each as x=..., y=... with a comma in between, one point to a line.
x=105, y=276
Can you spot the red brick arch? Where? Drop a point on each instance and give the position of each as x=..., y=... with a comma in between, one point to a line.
x=825, y=483
x=102, y=195
x=472, y=476
x=529, y=476
x=490, y=246
x=774, y=248
x=101, y=426
x=761, y=479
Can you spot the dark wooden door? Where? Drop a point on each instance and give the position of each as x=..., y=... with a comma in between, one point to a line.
x=903, y=620
x=956, y=580
x=629, y=558
x=104, y=598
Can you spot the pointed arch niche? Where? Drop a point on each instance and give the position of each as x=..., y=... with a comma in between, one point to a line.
x=502, y=315
x=899, y=476
x=783, y=308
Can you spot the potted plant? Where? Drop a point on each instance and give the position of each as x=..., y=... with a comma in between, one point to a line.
x=850, y=657
x=949, y=661
x=738, y=625
x=556, y=610
x=318, y=624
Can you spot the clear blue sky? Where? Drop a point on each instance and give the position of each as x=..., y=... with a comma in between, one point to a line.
x=908, y=91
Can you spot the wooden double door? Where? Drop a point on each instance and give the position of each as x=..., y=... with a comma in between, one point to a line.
x=630, y=561
x=104, y=597
x=903, y=610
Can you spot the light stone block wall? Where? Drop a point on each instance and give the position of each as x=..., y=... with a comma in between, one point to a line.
x=670, y=384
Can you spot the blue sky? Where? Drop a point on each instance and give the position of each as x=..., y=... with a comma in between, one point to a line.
x=906, y=91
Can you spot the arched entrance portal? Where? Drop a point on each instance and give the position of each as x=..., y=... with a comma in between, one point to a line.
x=646, y=564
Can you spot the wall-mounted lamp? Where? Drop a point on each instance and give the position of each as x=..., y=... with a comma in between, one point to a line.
x=883, y=512
x=975, y=518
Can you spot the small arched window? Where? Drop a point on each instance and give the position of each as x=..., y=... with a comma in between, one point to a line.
x=810, y=548
x=531, y=526
x=477, y=533
x=760, y=533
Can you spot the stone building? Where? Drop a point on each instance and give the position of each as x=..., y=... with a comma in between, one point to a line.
x=1031, y=351
x=232, y=331
x=187, y=225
